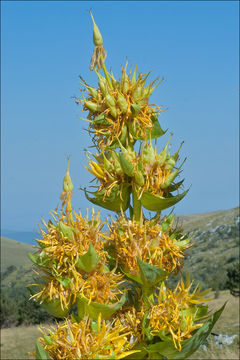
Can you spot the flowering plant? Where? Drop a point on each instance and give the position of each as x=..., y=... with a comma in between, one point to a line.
x=117, y=280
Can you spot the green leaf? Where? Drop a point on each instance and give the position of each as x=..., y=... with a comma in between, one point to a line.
x=135, y=108
x=118, y=199
x=139, y=355
x=65, y=282
x=54, y=308
x=146, y=328
x=133, y=277
x=88, y=261
x=190, y=345
x=182, y=244
x=41, y=353
x=174, y=187
x=66, y=231
x=39, y=259
x=151, y=275
x=94, y=309
x=156, y=131
x=157, y=203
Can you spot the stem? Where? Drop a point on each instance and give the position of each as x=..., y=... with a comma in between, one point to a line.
x=137, y=207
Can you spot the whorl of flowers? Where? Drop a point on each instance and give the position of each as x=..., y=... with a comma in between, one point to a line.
x=87, y=340
x=174, y=314
x=147, y=241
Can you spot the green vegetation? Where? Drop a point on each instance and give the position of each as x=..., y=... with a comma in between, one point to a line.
x=233, y=279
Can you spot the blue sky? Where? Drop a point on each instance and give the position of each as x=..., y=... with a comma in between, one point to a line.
x=47, y=44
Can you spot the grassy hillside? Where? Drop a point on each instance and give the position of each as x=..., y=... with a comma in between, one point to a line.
x=16, y=267
x=215, y=245
x=14, y=253
x=16, y=343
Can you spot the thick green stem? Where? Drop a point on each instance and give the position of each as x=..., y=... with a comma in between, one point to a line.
x=137, y=207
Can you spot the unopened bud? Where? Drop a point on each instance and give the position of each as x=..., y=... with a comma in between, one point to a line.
x=97, y=37
x=67, y=182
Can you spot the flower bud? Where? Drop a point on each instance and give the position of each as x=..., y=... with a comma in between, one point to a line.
x=92, y=106
x=67, y=182
x=122, y=103
x=139, y=177
x=169, y=180
x=110, y=100
x=133, y=79
x=102, y=83
x=93, y=92
x=161, y=157
x=113, y=111
x=97, y=37
x=148, y=154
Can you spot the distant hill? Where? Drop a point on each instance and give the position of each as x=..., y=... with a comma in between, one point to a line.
x=215, y=240
x=23, y=236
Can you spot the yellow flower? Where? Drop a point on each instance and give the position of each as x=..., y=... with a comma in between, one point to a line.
x=132, y=318
x=175, y=311
x=60, y=248
x=83, y=340
x=102, y=287
x=108, y=172
x=145, y=240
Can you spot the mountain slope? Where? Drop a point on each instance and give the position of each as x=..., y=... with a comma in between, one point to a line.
x=215, y=245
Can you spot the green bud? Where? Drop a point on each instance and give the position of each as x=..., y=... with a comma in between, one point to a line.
x=161, y=157
x=107, y=164
x=148, y=154
x=67, y=182
x=97, y=37
x=122, y=103
x=133, y=79
x=127, y=166
x=169, y=180
x=116, y=163
x=93, y=92
x=100, y=120
x=110, y=100
x=137, y=93
x=102, y=82
x=92, y=106
x=139, y=177
x=171, y=160
x=113, y=111
x=125, y=86
x=124, y=135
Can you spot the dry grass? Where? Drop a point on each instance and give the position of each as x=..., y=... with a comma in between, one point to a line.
x=17, y=342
